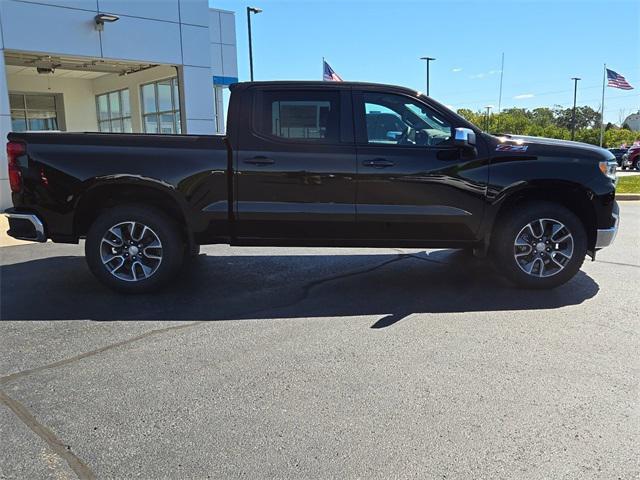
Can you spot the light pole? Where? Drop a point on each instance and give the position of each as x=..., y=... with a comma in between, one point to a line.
x=488, y=107
x=251, y=10
x=428, y=60
x=573, y=114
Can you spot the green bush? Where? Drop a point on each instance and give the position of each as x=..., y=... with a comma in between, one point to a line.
x=552, y=123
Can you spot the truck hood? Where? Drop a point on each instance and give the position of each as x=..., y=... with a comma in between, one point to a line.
x=555, y=147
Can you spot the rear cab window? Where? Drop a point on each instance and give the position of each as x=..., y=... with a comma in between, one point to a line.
x=319, y=116
x=298, y=116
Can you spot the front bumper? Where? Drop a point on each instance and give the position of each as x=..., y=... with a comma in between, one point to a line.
x=25, y=226
x=606, y=236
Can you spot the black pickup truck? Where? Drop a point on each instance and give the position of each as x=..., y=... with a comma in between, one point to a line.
x=322, y=164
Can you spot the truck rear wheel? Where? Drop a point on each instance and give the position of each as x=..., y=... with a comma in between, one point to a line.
x=134, y=249
x=539, y=245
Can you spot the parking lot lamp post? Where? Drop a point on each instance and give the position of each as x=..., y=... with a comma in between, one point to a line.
x=573, y=114
x=251, y=10
x=428, y=60
x=488, y=107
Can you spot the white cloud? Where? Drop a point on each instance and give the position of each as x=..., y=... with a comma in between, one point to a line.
x=524, y=95
x=456, y=70
x=485, y=74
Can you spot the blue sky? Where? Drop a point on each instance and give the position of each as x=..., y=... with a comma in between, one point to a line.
x=545, y=44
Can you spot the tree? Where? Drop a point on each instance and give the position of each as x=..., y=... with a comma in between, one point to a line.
x=552, y=123
x=616, y=137
x=474, y=117
x=542, y=116
x=586, y=117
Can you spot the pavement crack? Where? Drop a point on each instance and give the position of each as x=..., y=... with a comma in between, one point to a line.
x=306, y=291
x=307, y=288
x=75, y=463
x=91, y=353
x=632, y=265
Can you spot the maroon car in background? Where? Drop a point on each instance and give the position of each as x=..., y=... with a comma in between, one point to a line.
x=631, y=159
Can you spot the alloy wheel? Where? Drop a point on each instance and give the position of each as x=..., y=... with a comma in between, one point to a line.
x=131, y=251
x=543, y=247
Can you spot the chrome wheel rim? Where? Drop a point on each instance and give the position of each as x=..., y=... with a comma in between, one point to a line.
x=543, y=248
x=131, y=251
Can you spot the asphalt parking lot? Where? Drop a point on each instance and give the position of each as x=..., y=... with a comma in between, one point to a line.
x=321, y=363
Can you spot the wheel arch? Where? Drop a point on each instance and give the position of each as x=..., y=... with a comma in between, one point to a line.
x=104, y=195
x=573, y=196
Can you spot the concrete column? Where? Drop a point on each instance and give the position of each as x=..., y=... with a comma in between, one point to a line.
x=197, y=95
x=5, y=128
x=219, y=107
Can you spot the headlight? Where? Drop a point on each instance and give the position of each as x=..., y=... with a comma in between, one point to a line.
x=608, y=168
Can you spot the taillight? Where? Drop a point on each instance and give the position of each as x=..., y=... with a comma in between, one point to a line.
x=14, y=150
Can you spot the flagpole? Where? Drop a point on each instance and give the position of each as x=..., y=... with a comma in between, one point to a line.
x=604, y=79
x=500, y=94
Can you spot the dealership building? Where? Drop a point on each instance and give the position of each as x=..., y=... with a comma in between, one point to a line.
x=139, y=66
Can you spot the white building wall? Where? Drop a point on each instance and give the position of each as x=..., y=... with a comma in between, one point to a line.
x=34, y=27
x=633, y=121
x=174, y=32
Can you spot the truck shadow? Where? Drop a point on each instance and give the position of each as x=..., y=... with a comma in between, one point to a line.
x=236, y=287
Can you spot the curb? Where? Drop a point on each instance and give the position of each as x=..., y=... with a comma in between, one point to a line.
x=627, y=196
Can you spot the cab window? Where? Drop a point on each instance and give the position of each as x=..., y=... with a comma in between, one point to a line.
x=392, y=119
x=299, y=116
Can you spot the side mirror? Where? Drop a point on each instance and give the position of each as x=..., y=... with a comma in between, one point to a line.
x=464, y=138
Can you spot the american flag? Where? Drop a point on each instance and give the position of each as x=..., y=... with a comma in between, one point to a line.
x=328, y=75
x=616, y=80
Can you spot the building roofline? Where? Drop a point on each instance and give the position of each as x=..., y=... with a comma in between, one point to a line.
x=221, y=10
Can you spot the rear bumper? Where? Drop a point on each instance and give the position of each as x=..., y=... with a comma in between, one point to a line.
x=606, y=236
x=25, y=226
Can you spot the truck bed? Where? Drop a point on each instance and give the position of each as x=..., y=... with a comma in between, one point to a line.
x=64, y=170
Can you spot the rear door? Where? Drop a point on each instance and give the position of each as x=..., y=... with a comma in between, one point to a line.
x=296, y=164
x=413, y=183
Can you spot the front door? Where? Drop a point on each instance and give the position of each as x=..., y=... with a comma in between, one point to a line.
x=413, y=183
x=296, y=166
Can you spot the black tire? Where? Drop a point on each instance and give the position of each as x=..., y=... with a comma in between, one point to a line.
x=165, y=230
x=509, y=226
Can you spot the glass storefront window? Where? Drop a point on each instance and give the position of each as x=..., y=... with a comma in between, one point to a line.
x=161, y=106
x=148, y=98
x=114, y=112
x=33, y=112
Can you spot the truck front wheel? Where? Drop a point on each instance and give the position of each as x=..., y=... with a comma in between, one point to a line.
x=134, y=249
x=539, y=245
